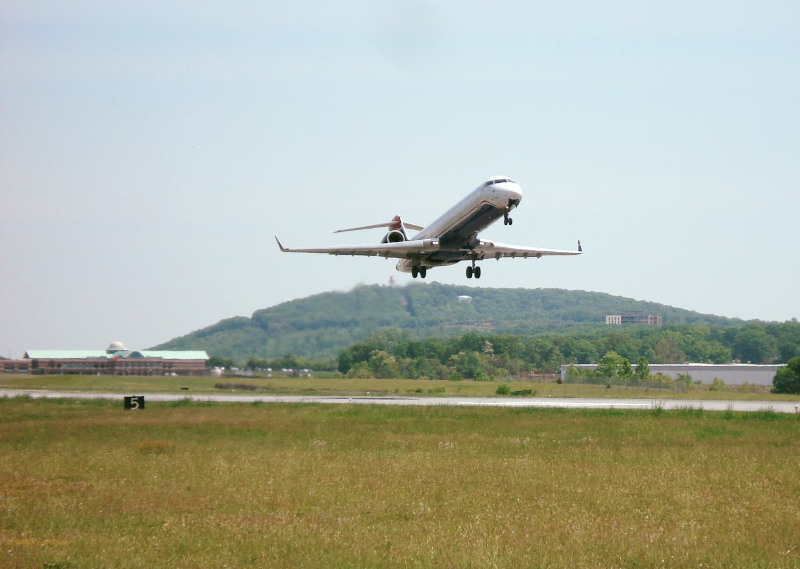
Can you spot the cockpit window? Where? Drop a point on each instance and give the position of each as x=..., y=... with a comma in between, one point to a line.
x=498, y=181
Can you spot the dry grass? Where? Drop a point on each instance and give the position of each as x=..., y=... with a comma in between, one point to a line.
x=85, y=484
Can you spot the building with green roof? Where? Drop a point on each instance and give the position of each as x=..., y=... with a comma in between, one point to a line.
x=115, y=360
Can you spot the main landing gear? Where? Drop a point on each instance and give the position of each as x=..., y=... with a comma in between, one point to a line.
x=507, y=220
x=418, y=271
x=473, y=270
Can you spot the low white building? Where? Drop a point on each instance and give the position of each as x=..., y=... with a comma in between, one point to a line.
x=731, y=374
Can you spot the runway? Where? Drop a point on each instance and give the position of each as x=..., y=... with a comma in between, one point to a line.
x=533, y=402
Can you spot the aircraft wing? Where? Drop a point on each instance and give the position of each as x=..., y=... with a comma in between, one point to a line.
x=492, y=250
x=402, y=250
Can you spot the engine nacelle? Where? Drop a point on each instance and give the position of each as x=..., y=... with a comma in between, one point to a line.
x=395, y=236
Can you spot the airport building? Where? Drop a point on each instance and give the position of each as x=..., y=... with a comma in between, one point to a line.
x=731, y=374
x=116, y=360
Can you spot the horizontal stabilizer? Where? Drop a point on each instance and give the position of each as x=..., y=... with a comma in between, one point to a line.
x=395, y=223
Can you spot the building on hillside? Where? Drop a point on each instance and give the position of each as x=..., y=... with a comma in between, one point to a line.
x=634, y=318
x=116, y=360
x=731, y=374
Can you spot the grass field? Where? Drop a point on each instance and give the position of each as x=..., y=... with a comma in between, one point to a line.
x=85, y=484
x=341, y=386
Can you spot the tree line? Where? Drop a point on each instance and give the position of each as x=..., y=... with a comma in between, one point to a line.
x=393, y=354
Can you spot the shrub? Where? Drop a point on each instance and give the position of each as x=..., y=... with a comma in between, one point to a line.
x=232, y=386
x=481, y=376
x=718, y=385
x=787, y=379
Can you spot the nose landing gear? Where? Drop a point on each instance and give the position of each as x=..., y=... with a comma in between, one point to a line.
x=507, y=220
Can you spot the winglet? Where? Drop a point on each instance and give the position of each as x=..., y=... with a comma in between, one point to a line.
x=283, y=249
x=579, y=246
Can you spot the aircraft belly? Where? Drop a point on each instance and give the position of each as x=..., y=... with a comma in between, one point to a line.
x=440, y=258
x=465, y=230
x=448, y=256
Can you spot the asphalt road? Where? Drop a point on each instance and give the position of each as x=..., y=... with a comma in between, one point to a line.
x=562, y=403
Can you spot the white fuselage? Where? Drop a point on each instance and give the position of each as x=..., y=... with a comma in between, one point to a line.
x=457, y=229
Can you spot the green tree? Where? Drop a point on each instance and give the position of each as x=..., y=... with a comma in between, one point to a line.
x=470, y=364
x=787, y=379
x=217, y=361
x=668, y=351
x=345, y=361
x=584, y=352
x=626, y=369
x=717, y=353
x=613, y=366
x=621, y=344
x=642, y=368
x=256, y=363
x=787, y=335
x=383, y=365
x=753, y=344
x=360, y=370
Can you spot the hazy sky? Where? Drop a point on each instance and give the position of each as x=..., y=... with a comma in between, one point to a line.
x=150, y=151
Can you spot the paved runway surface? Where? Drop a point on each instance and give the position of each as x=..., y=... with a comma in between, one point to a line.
x=565, y=403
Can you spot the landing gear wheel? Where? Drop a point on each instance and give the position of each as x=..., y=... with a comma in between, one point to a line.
x=477, y=272
x=507, y=220
x=469, y=272
x=415, y=271
x=422, y=272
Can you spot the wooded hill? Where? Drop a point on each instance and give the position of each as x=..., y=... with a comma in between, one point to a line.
x=321, y=326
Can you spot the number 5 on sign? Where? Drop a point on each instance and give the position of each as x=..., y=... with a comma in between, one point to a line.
x=134, y=402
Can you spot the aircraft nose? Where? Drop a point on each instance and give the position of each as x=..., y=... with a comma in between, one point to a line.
x=512, y=192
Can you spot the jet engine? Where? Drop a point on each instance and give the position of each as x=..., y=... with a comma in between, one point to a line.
x=394, y=236
x=397, y=230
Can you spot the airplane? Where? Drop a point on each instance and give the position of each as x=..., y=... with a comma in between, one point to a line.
x=451, y=238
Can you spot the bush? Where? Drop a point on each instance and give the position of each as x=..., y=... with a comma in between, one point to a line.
x=481, y=376
x=503, y=389
x=232, y=386
x=718, y=385
x=787, y=380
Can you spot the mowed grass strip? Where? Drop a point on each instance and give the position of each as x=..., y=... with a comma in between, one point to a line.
x=86, y=484
x=373, y=387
